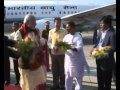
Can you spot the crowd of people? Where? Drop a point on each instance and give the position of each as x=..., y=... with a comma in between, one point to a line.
x=66, y=65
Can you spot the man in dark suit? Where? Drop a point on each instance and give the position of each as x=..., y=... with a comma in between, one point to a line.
x=95, y=36
x=105, y=66
x=15, y=27
x=8, y=53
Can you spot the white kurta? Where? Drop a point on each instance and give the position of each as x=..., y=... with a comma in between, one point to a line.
x=74, y=61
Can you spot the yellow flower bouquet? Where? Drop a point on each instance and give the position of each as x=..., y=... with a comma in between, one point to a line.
x=101, y=52
x=63, y=45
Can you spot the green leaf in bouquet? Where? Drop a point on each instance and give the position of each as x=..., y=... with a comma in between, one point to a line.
x=25, y=48
x=63, y=45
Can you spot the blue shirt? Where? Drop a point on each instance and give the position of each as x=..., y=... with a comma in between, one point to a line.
x=102, y=37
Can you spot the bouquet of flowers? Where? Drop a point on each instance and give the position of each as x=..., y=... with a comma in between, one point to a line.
x=63, y=45
x=101, y=52
x=31, y=55
x=25, y=47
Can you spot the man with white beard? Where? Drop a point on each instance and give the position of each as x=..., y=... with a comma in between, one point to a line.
x=33, y=77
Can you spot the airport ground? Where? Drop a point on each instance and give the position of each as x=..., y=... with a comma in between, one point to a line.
x=89, y=80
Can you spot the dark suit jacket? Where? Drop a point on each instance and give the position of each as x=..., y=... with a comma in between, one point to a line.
x=8, y=42
x=108, y=62
x=8, y=52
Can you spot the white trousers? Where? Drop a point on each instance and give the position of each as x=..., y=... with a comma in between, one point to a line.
x=69, y=81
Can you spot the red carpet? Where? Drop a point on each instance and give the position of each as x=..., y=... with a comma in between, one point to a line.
x=12, y=87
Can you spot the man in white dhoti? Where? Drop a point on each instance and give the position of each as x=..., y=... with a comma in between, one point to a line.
x=32, y=76
x=74, y=58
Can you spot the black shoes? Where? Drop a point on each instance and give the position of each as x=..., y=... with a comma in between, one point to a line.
x=55, y=87
x=62, y=88
x=17, y=83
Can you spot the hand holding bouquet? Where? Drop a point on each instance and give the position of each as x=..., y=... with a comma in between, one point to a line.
x=31, y=55
x=25, y=48
x=63, y=45
x=101, y=52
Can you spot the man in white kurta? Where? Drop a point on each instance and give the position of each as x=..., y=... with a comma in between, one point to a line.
x=75, y=61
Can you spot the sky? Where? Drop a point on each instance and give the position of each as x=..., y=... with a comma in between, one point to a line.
x=80, y=2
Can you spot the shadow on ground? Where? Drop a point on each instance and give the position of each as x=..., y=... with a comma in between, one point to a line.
x=87, y=85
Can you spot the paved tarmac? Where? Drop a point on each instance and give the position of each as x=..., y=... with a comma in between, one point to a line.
x=89, y=80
